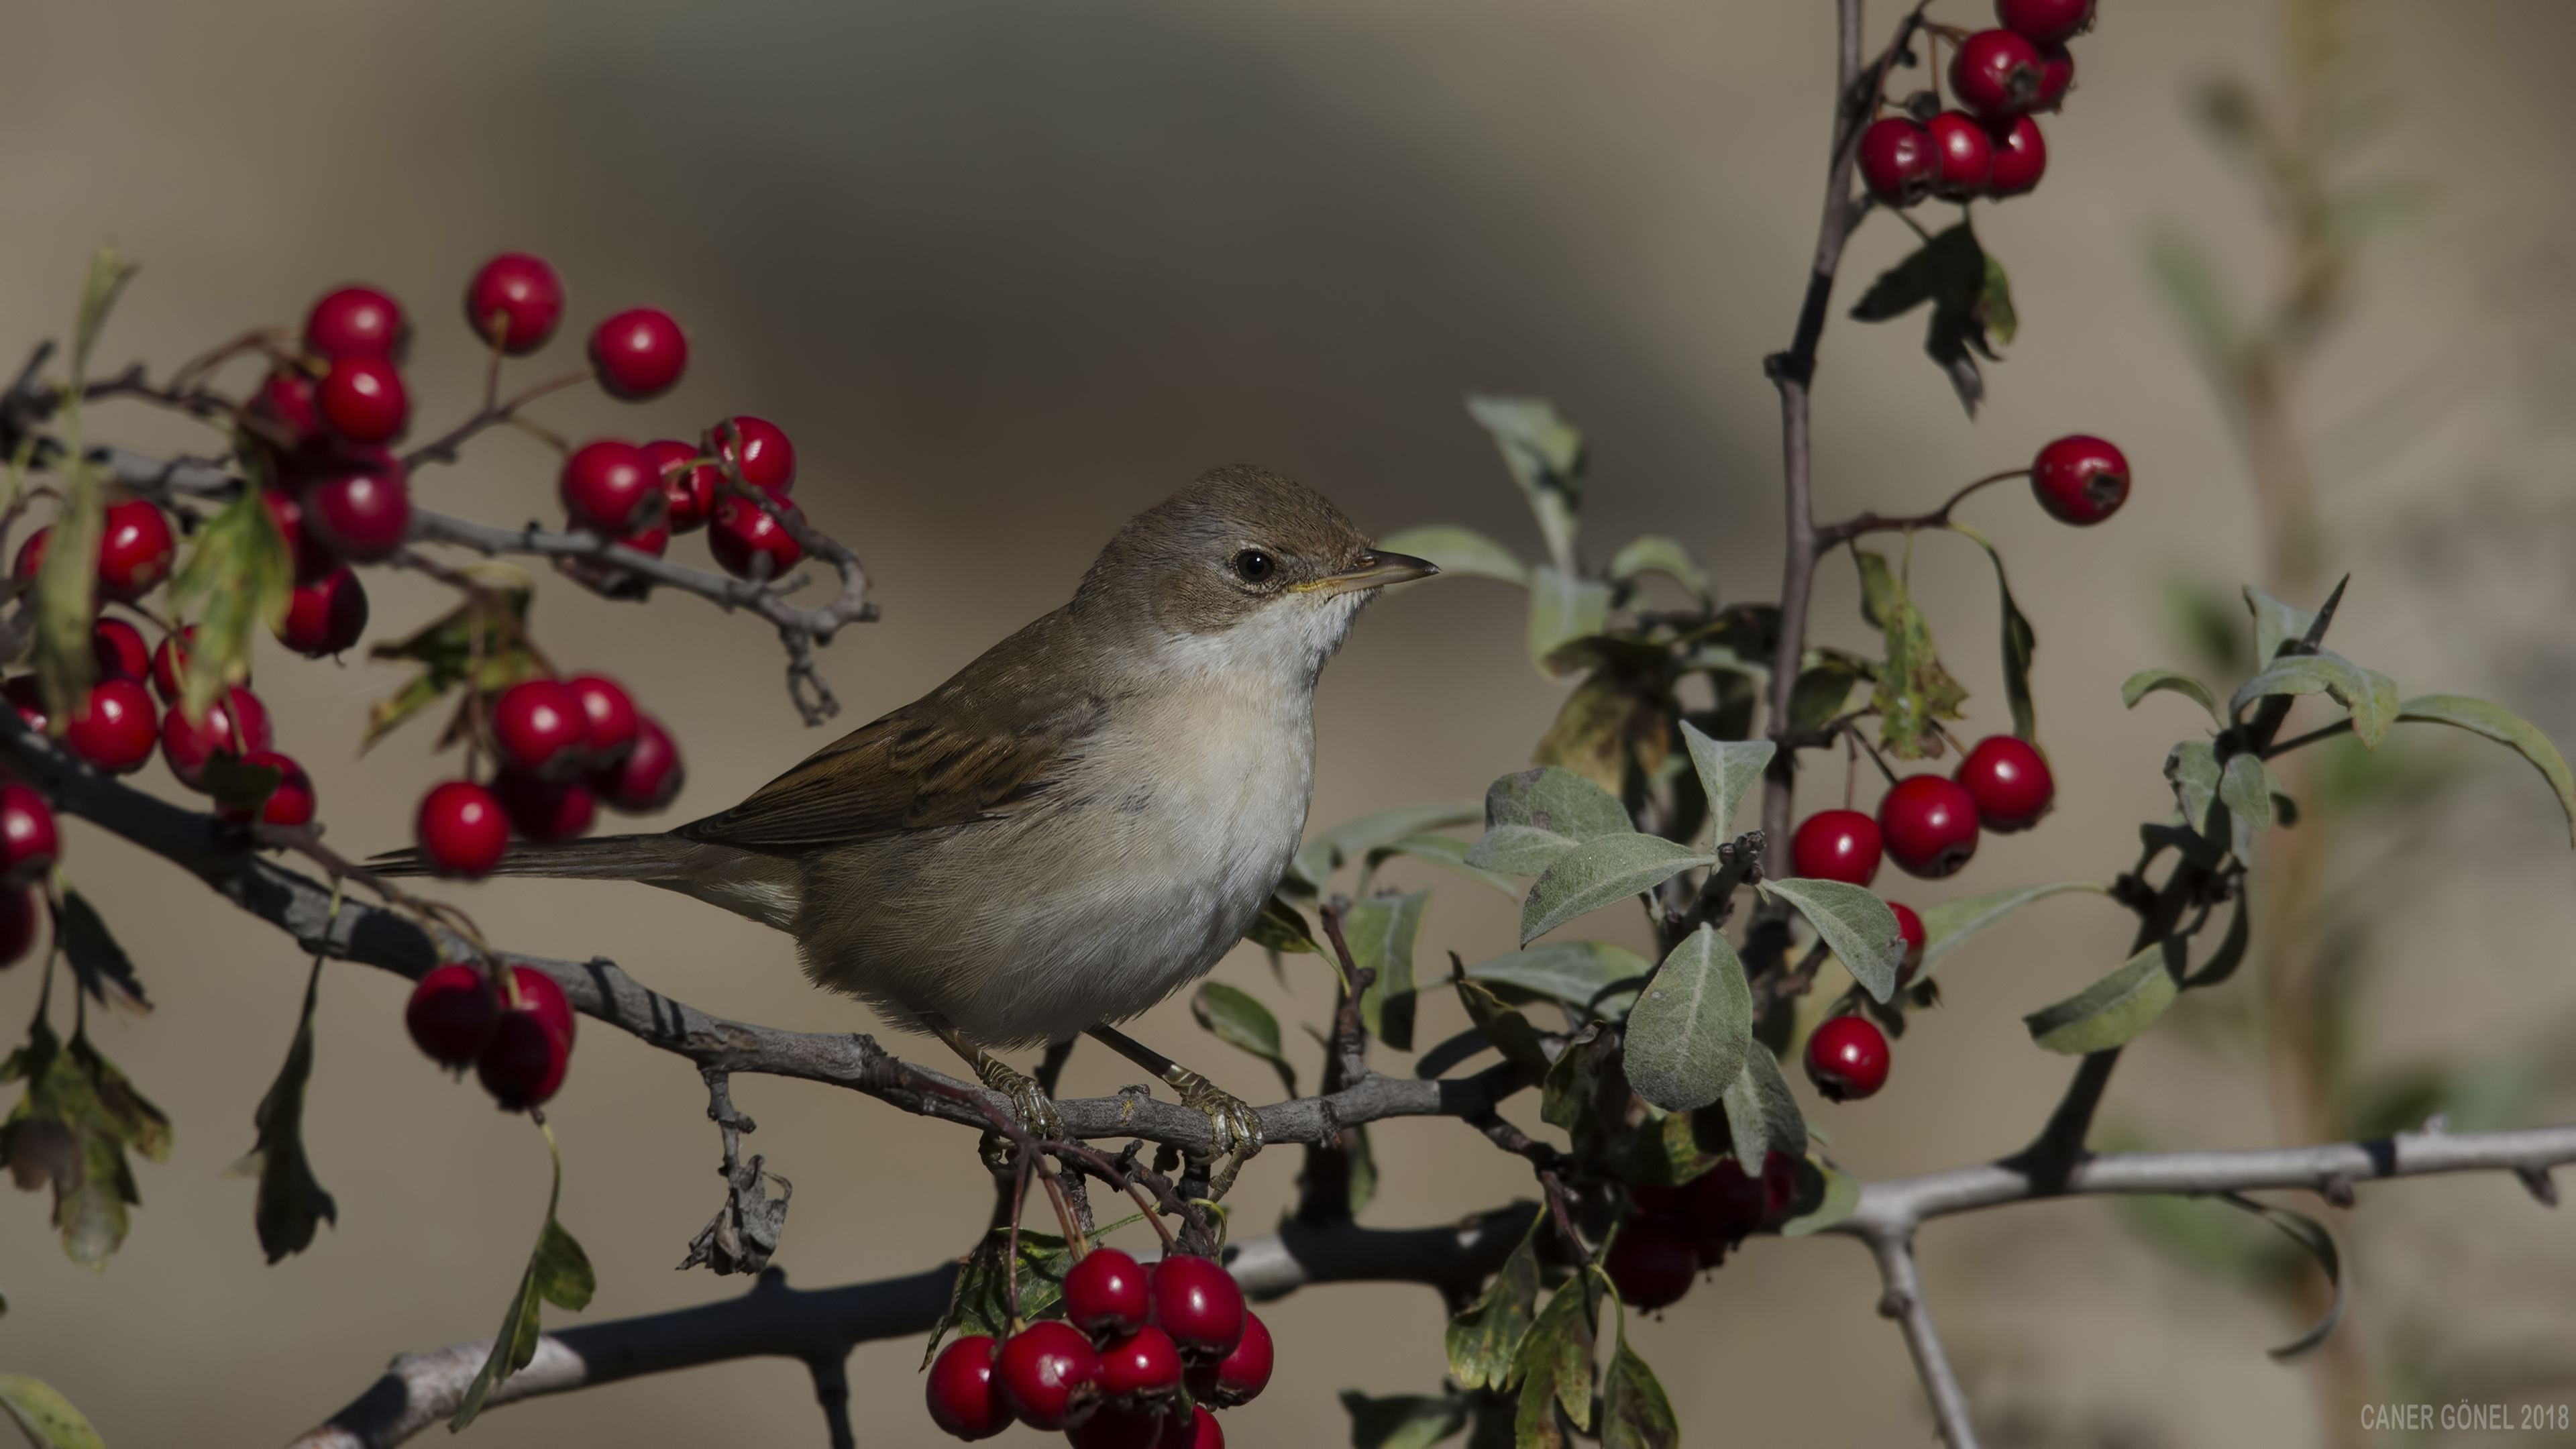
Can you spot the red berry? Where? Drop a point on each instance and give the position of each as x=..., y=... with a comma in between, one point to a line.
x=1142, y=1364
x=1192, y=1428
x=649, y=776
x=1896, y=161
x=236, y=723
x=1105, y=1294
x=524, y=1066
x=653, y=540
x=461, y=829
x=312, y=559
x=31, y=555
x=291, y=803
x=516, y=298
x=1909, y=929
x=539, y=727
x=964, y=1400
x=688, y=485
x=28, y=697
x=357, y=322
x=1652, y=1263
x=286, y=399
x=2009, y=780
x=2056, y=78
x=1240, y=1376
x=759, y=449
x=326, y=617
x=115, y=726
x=17, y=925
x=1779, y=1186
x=611, y=487
x=453, y=1014
x=1930, y=825
x=1963, y=153
x=29, y=842
x=363, y=400
x=2021, y=158
x=610, y=716
x=1721, y=1208
x=546, y=810
x=170, y=663
x=2080, y=479
x=1838, y=845
x=1847, y=1059
x=1047, y=1373
x=120, y=649
x=362, y=510
x=639, y=353
x=1198, y=1304
x=539, y=995
x=744, y=535
x=134, y=550
x=1995, y=73
x=1112, y=1427
x=2045, y=22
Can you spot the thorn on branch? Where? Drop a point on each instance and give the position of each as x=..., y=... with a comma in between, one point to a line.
x=2537, y=1182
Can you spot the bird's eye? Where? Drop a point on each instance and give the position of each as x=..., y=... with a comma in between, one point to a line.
x=1255, y=565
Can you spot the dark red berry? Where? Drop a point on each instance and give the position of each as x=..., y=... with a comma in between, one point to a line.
x=688, y=485
x=639, y=353
x=2045, y=22
x=1048, y=1373
x=611, y=487
x=326, y=617
x=134, y=550
x=749, y=543
x=311, y=558
x=1141, y=1364
x=2021, y=158
x=2080, y=479
x=539, y=995
x=964, y=1399
x=610, y=715
x=291, y=803
x=539, y=727
x=1779, y=1187
x=120, y=649
x=2056, y=78
x=653, y=539
x=1198, y=1304
x=363, y=400
x=362, y=510
x=1838, y=845
x=115, y=726
x=286, y=401
x=1847, y=1058
x=1192, y=1428
x=1721, y=1208
x=1909, y=929
x=759, y=449
x=18, y=915
x=648, y=778
x=1963, y=153
x=1113, y=1427
x=453, y=1014
x=31, y=555
x=1240, y=1376
x=1896, y=161
x=546, y=810
x=357, y=322
x=516, y=299
x=2009, y=780
x=27, y=697
x=461, y=829
x=1930, y=825
x=1995, y=73
x=29, y=842
x=236, y=723
x=524, y=1066
x=1652, y=1263
x=1105, y=1294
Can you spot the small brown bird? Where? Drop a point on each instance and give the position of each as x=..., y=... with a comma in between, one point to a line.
x=1076, y=824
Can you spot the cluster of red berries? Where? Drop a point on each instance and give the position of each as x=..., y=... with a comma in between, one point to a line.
x=565, y=747
x=640, y=496
x=1140, y=1358
x=29, y=845
x=1989, y=146
x=1676, y=1233
x=515, y=1033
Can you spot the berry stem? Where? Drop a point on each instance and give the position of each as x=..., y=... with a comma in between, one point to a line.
x=1865, y=523
x=443, y=449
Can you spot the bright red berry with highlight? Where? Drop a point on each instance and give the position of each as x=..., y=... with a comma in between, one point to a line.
x=363, y=400
x=540, y=727
x=1105, y=1294
x=546, y=810
x=687, y=485
x=1192, y=1428
x=1930, y=825
x=2021, y=158
x=1652, y=1262
x=1142, y=1364
x=1838, y=845
x=1198, y=1303
x=525, y=1064
x=2056, y=78
x=759, y=449
x=357, y=322
x=611, y=487
x=1963, y=153
x=648, y=778
x=964, y=1399
x=2080, y=479
x=1240, y=1376
x=1909, y=929
x=236, y=723
x=2009, y=780
x=134, y=550
x=749, y=543
x=1896, y=161
x=2045, y=22
x=1048, y=1373
x=362, y=512
x=609, y=713
x=287, y=401
x=325, y=618
x=516, y=299
x=29, y=842
x=1995, y=73
x=453, y=1014
x=18, y=915
x=1847, y=1059
x=639, y=353
x=115, y=726
x=291, y=803
x=120, y=649
x=461, y=829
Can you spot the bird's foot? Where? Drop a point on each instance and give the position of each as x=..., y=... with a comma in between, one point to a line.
x=1234, y=1126
x=1029, y=1102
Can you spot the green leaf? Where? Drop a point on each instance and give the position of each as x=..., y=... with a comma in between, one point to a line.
x=562, y=1270
x=1823, y=688
x=1546, y=458
x=2113, y=1010
x=2147, y=681
x=1728, y=771
x=448, y=648
x=2370, y=695
x=1279, y=927
x=1947, y=926
x=2275, y=623
x=1761, y=1115
x=1404, y=1421
x=1613, y=722
x=1236, y=1019
x=101, y=967
x=1856, y=926
x=1692, y=1025
x=2312, y=1235
x=47, y=1418
x=2192, y=766
x=2504, y=727
x=1314, y=865
x=1534, y=816
x=1950, y=271
x=1608, y=869
x=1485, y=1336
x=2247, y=786
x=238, y=787
x=237, y=577
x=71, y=1131
x=1458, y=551
x=559, y=1273
x=109, y=271
x=1571, y=1092
x=1563, y=608
x=1635, y=1414
x=66, y=595
x=2020, y=643
x=1995, y=304
x=1554, y=1364
x=1380, y=931
x=1581, y=974
x=1447, y=852
x=1654, y=553
x=291, y=1202
x=1508, y=1030
x=1913, y=690
x=1842, y=1196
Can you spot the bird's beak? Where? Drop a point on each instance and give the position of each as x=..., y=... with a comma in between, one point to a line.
x=1373, y=570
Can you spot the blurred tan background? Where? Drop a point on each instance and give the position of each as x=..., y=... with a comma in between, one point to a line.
x=1009, y=272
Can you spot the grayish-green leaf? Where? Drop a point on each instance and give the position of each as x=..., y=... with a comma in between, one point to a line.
x=1450, y=854
x=2113, y=1010
x=1555, y=1358
x=2275, y=623
x=291, y=1203
x=1654, y=553
x=1599, y=872
x=2505, y=727
x=1728, y=771
x=1234, y=1017
x=1315, y=863
x=2370, y=695
x=1279, y=927
x=1572, y=1090
x=2247, y=787
x=1761, y=1114
x=1563, y=607
x=47, y=1418
x=1856, y=926
x=2312, y=1235
x=1947, y=926
x=1508, y=1030
x=1635, y=1414
x=558, y=1272
x=2193, y=768
x=2147, y=681
x=1692, y=1025
x=1458, y=551
x=2020, y=646
x=1579, y=973
x=1404, y=1421
x=1546, y=458
x=1534, y=816
x=1380, y=931
x=1842, y=1195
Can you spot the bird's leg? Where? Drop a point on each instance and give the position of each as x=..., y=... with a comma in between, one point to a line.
x=1028, y=1101
x=1233, y=1123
